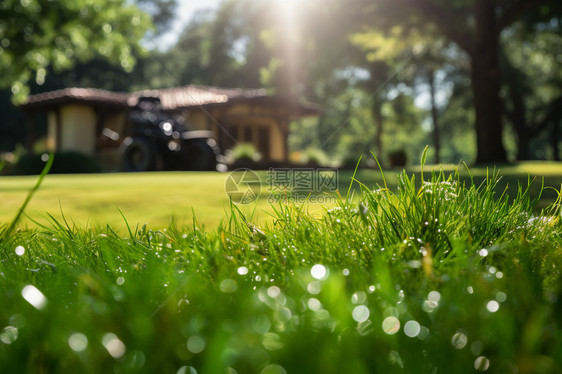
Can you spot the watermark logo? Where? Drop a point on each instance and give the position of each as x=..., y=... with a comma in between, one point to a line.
x=243, y=186
x=300, y=185
x=293, y=185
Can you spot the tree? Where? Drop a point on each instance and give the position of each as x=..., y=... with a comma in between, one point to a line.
x=475, y=26
x=416, y=57
x=533, y=84
x=38, y=35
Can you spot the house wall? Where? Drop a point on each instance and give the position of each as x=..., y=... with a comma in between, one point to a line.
x=245, y=123
x=249, y=129
x=116, y=122
x=108, y=152
x=74, y=129
x=51, y=130
x=197, y=120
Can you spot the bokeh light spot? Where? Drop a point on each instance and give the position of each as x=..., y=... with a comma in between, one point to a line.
x=78, y=342
x=459, y=340
x=360, y=313
x=412, y=328
x=33, y=296
x=391, y=325
x=20, y=250
x=318, y=271
x=196, y=344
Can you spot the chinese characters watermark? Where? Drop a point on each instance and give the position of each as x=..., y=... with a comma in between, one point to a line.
x=295, y=185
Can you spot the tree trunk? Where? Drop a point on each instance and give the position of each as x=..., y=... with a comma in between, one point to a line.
x=434, y=117
x=486, y=85
x=556, y=139
x=523, y=140
x=378, y=118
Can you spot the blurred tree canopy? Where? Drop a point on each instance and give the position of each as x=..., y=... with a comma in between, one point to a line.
x=389, y=74
x=38, y=35
x=478, y=28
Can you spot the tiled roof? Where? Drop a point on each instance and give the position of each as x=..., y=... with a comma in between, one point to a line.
x=77, y=94
x=187, y=96
x=171, y=98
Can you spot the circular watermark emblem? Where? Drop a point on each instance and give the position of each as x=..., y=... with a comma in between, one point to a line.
x=243, y=186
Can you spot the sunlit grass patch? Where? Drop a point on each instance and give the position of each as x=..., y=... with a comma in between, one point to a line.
x=437, y=275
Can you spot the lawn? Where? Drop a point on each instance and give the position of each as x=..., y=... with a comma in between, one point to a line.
x=157, y=198
x=433, y=277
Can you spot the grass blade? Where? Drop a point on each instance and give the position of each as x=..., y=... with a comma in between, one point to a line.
x=30, y=194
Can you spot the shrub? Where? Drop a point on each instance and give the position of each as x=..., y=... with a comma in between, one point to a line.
x=64, y=163
x=315, y=157
x=244, y=151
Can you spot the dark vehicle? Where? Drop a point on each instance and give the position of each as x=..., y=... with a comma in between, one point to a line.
x=157, y=141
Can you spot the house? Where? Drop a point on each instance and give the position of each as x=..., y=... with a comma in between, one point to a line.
x=93, y=121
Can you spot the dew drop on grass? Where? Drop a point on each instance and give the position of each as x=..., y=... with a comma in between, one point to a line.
x=228, y=286
x=17, y=320
x=242, y=270
x=272, y=341
x=114, y=346
x=20, y=250
x=78, y=342
x=314, y=304
x=273, y=369
x=345, y=272
x=261, y=324
x=493, y=306
x=483, y=252
x=9, y=335
x=414, y=264
x=481, y=363
x=476, y=348
x=318, y=271
x=360, y=313
x=186, y=370
x=365, y=328
x=33, y=296
x=434, y=296
x=391, y=325
x=459, y=340
x=359, y=297
x=120, y=281
x=424, y=333
x=274, y=292
x=196, y=344
x=391, y=312
x=314, y=288
x=283, y=314
x=429, y=306
x=501, y=297
x=412, y=328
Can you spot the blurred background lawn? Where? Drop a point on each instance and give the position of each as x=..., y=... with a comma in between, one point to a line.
x=160, y=198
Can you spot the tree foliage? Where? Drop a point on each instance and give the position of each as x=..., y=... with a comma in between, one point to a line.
x=477, y=61
x=38, y=35
x=476, y=27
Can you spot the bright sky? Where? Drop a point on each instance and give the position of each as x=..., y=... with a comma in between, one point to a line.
x=186, y=9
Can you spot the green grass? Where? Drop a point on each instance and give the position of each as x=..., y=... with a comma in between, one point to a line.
x=436, y=276
x=96, y=199
x=157, y=198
